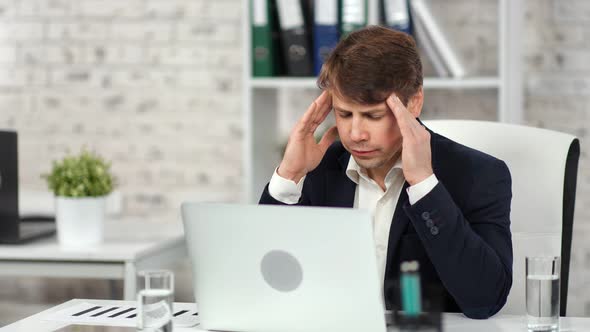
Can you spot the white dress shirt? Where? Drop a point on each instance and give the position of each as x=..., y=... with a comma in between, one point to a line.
x=368, y=195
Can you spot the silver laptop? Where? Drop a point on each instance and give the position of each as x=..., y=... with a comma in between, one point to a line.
x=277, y=268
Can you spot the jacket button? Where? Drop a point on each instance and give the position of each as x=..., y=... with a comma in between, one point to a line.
x=429, y=223
x=425, y=215
x=433, y=230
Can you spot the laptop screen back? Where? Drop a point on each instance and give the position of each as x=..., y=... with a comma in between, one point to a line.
x=277, y=268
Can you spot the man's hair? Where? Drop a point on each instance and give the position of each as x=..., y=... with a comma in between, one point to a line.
x=371, y=63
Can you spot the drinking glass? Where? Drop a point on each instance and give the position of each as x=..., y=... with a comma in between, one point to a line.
x=542, y=293
x=154, y=300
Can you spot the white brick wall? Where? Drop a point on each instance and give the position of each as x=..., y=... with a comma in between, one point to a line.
x=7, y=54
x=155, y=86
x=109, y=9
x=21, y=30
x=149, y=84
x=77, y=31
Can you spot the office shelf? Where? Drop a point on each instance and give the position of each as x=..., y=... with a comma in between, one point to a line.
x=429, y=83
x=261, y=105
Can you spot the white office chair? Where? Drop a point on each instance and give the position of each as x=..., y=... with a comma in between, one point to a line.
x=544, y=167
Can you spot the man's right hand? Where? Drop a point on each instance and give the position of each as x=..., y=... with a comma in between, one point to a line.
x=303, y=154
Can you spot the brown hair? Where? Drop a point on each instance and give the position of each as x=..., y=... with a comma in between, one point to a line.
x=371, y=63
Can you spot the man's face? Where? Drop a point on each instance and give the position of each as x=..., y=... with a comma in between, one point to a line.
x=370, y=132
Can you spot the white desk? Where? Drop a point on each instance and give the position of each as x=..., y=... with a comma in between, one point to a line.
x=129, y=246
x=452, y=322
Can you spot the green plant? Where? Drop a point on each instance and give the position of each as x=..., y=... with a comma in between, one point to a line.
x=83, y=175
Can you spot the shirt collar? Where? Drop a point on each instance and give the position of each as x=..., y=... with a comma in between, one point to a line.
x=354, y=171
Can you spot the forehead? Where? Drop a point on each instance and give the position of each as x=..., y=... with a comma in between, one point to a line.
x=340, y=103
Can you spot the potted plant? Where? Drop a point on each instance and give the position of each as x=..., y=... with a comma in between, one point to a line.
x=80, y=184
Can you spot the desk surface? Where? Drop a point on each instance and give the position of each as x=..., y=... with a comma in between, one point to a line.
x=125, y=239
x=452, y=322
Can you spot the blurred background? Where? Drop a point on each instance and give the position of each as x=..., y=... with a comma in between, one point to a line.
x=156, y=87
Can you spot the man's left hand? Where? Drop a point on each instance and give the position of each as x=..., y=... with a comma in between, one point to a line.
x=416, y=153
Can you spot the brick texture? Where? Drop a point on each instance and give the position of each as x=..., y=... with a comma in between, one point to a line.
x=148, y=84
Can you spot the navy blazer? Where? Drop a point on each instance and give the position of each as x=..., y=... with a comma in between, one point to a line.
x=459, y=232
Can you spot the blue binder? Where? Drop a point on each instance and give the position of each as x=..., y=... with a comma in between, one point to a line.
x=325, y=31
x=397, y=15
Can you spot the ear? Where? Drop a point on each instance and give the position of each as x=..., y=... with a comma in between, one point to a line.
x=415, y=103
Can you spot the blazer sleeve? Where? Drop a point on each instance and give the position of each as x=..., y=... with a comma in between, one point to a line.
x=470, y=248
x=266, y=198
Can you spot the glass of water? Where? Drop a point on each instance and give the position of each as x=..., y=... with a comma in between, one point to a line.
x=542, y=293
x=154, y=300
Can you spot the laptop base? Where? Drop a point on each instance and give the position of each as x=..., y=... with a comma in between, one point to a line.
x=30, y=231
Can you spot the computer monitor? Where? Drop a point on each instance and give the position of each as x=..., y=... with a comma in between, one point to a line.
x=13, y=228
x=277, y=268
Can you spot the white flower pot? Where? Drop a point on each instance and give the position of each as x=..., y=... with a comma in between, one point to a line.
x=80, y=221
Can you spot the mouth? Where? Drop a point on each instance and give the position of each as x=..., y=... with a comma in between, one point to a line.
x=363, y=153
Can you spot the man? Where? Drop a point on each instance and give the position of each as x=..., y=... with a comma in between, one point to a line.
x=432, y=200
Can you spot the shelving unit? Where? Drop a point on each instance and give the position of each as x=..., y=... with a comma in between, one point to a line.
x=429, y=83
x=260, y=95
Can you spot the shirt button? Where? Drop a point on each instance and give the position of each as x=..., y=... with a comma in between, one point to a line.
x=433, y=230
x=425, y=215
x=429, y=223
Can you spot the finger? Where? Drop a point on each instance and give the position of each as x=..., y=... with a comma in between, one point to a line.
x=328, y=138
x=401, y=114
x=311, y=113
x=307, y=117
x=309, y=122
x=324, y=113
x=408, y=118
x=323, y=97
x=305, y=122
x=323, y=106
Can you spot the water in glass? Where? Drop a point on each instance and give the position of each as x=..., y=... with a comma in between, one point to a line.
x=155, y=310
x=542, y=302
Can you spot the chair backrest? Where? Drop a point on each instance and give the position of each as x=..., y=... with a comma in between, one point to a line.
x=544, y=167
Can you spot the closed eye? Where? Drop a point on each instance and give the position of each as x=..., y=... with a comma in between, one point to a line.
x=370, y=115
x=344, y=114
x=374, y=116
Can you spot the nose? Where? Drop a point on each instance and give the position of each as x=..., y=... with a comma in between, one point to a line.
x=357, y=130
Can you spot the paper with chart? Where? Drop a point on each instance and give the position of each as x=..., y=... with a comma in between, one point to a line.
x=185, y=314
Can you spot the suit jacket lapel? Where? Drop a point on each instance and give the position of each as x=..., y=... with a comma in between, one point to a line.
x=340, y=188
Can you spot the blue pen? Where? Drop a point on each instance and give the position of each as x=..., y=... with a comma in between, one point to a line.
x=410, y=288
